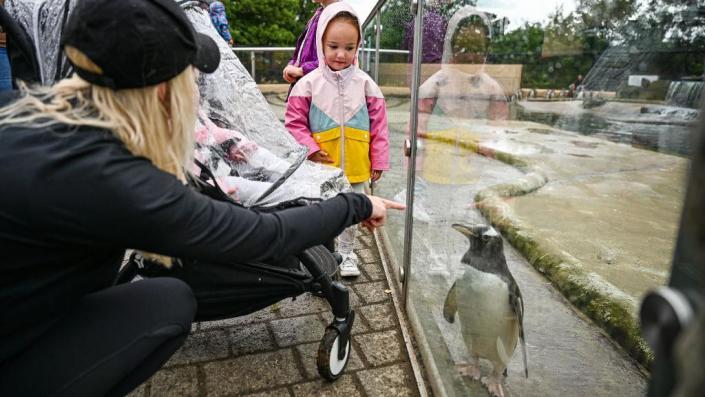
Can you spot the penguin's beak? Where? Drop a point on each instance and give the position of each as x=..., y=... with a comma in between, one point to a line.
x=471, y=230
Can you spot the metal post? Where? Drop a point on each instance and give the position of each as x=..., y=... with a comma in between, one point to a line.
x=361, y=60
x=378, y=33
x=367, y=57
x=252, y=64
x=411, y=175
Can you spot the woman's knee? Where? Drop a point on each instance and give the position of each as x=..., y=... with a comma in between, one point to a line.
x=172, y=297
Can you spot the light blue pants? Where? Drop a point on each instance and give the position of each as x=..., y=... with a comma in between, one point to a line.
x=5, y=72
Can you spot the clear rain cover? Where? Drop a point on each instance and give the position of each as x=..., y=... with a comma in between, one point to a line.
x=238, y=136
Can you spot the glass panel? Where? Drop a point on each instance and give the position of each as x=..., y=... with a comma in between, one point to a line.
x=396, y=41
x=566, y=126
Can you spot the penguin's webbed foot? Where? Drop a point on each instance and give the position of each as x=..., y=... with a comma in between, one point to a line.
x=493, y=386
x=471, y=370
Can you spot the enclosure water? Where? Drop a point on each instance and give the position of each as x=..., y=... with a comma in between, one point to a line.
x=567, y=131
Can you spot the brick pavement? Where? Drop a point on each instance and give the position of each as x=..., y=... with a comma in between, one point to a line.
x=272, y=352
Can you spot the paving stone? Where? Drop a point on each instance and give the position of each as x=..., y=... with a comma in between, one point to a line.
x=360, y=243
x=379, y=316
x=373, y=292
x=343, y=387
x=139, y=391
x=308, y=353
x=297, y=330
x=396, y=380
x=366, y=239
x=250, y=338
x=263, y=315
x=304, y=304
x=283, y=392
x=374, y=271
x=358, y=327
x=203, y=346
x=362, y=278
x=175, y=382
x=251, y=373
x=380, y=348
x=366, y=255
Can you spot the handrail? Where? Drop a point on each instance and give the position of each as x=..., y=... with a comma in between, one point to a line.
x=263, y=49
x=272, y=49
x=253, y=50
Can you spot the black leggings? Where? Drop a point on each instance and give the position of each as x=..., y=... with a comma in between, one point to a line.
x=108, y=344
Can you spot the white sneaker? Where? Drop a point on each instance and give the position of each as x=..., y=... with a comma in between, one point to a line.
x=348, y=268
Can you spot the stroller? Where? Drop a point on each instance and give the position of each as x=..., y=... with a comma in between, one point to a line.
x=225, y=290
x=222, y=290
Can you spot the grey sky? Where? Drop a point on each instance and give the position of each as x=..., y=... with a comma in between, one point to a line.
x=520, y=11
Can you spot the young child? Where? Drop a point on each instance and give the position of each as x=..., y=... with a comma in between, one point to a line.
x=339, y=113
x=305, y=58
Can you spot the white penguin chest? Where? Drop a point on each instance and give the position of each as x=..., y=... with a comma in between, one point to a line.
x=483, y=302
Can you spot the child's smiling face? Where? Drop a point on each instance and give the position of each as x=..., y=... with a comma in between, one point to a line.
x=340, y=44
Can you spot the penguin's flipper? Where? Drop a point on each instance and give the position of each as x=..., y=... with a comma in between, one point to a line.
x=517, y=303
x=450, y=306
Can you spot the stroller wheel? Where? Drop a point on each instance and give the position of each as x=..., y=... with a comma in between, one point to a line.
x=329, y=365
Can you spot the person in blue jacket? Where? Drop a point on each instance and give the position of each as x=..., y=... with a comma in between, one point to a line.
x=220, y=21
x=5, y=71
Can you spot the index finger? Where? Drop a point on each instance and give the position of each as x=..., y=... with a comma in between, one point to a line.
x=393, y=204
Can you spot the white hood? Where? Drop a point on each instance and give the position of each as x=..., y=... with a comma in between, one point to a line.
x=328, y=13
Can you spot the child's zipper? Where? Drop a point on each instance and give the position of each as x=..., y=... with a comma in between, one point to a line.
x=339, y=78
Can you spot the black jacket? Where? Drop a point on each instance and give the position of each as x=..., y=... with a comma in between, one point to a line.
x=73, y=199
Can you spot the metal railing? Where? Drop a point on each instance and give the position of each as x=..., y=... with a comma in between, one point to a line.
x=254, y=50
x=364, y=58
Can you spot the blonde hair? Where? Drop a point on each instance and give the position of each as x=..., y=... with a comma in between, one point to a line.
x=159, y=130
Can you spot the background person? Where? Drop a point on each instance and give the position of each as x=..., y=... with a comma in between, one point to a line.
x=339, y=113
x=305, y=58
x=217, y=13
x=102, y=157
x=5, y=71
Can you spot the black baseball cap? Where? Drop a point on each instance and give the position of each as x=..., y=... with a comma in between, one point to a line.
x=137, y=43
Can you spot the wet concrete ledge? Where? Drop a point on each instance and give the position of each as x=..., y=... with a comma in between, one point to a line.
x=612, y=313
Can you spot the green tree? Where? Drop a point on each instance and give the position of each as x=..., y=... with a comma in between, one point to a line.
x=267, y=22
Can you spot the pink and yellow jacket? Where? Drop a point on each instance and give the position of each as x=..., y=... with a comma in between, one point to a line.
x=340, y=112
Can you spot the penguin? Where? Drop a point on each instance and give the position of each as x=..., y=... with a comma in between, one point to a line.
x=489, y=304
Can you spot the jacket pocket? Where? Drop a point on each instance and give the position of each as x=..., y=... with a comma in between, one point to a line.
x=329, y=142
x=357, y=155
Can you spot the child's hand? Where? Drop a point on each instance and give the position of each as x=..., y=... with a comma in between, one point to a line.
x=376, y=174
x=292, y=73
x=321, y=157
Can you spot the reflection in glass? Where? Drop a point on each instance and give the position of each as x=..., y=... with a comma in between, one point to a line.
x=565, y=125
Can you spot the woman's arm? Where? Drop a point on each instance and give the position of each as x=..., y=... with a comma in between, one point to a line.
x=124, y=201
